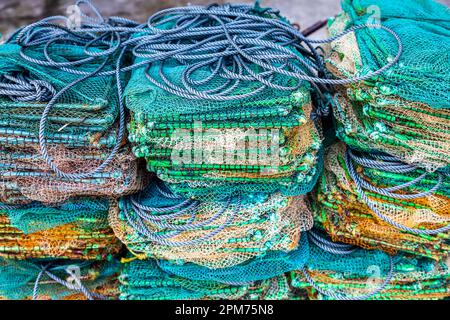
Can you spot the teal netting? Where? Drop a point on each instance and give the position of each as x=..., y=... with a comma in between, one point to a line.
x=358, y=193
x=404, y=111
x=37, y=216
x=77, y=229
x=64, y=280
x=144, y=280
x=270, y=265
x=363, y=272
x=224, y=125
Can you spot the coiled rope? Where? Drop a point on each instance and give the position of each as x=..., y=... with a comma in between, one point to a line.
x=332, y=247
x=389, y=164
x=144, y=213
x=341, y=249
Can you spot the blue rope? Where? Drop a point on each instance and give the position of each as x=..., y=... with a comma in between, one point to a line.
x=329, y=246
x=79, y=287
x=389, y=164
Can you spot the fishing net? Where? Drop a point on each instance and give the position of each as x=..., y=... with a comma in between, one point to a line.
x=144, y=280
x=370, y=274
x=269, y=265
x=61, y=123
x=228, y=124
x=157, y=224
x=361, y=201
x=58, y=280
x=76, y=230
x=404, y=111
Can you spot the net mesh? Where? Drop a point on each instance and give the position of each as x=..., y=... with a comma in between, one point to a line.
x=403, y=112
x=363, y=271
x=265, y=141
x=269, y=265
x=77, y=230
x=80, y=129
x=212, y=234
x=18, y=279
x=144, y=280
x=347, y=218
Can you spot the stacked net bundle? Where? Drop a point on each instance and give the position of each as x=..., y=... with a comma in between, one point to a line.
x=145, y=280
x=264, y=267
x=62, y=125
x=355, y=274
x=158, y=224
x=221, y=118
x=404, y=111
x=76, y=229
x=58, y=280
x=377, y=202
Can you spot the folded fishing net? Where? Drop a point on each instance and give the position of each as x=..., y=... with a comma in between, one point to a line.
x=212, y=111
x=145, y=280
x=348, y=274
x=377, y=202
x=158, y=224
x=76, y=230
x=62, y=128
x=58, y=280
x=404, y=111
x=263, y=267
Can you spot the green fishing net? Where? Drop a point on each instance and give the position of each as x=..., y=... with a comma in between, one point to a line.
x=77, y=229
x=266, y=266
x=158, y=224
x=346, y=216
x=368, y=272
x=80, y=127
x=404, y=111
x=144, y=280
x=206, y=133
x=58, y=280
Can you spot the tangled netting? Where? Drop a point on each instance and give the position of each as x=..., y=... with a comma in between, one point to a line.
x=77, y=230
x=144, y=280
x=58, y=280
x=370, y=274
x=404, y=111
x=158, y=224
x=377, y=202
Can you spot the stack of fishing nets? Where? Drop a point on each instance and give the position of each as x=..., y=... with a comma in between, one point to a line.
x=158, y=224
x=58, y=280
x=376, y=202
x=63, y=159
x=404, y=111
x=343, y=272
x=260, y=278
x=62, y=132
x=77, y=230
x=220, y=106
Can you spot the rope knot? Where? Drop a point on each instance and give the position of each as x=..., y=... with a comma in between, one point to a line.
x=22, y=88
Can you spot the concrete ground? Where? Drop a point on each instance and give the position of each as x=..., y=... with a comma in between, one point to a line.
x=14, y=13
